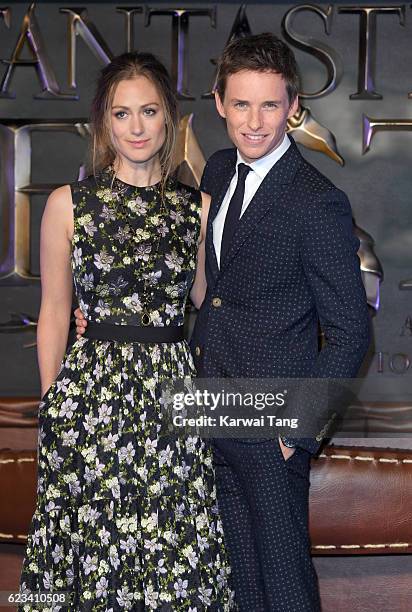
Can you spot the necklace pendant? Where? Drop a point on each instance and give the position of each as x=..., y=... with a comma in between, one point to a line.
x=145, y=318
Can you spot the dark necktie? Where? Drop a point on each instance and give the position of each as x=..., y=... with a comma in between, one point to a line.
x=234, y=210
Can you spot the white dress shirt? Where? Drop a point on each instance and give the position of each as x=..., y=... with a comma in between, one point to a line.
x=260, y=169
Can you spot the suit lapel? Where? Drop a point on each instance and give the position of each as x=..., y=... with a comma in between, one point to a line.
x=265, y=198
x=224, y=181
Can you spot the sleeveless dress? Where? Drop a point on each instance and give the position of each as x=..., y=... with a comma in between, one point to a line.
x=126, y=519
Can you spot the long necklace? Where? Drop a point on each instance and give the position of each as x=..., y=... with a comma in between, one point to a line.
x=144, y=313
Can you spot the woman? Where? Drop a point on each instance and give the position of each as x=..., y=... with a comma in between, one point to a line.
x=125, y=518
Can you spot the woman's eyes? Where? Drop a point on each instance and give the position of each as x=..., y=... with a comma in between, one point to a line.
x=147, y=112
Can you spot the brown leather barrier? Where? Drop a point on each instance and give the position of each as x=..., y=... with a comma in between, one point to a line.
x=18, y=411
x=18, y=476
x=360, y=498
x=361, y=501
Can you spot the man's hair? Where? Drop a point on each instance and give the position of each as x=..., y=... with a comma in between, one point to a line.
x=259, y=53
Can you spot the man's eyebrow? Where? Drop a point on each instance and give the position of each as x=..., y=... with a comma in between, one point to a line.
x=238, y=100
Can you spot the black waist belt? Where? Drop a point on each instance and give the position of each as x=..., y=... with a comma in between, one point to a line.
x=133, y=333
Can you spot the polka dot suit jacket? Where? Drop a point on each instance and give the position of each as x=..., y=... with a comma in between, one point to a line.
x=292, y=264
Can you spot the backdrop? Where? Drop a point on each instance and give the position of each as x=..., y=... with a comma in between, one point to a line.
x=356, y=77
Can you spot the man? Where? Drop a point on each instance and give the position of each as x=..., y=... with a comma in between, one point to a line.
x=280, y=258
x=287, y=263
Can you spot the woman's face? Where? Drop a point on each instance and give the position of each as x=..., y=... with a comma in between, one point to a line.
x=137, y=120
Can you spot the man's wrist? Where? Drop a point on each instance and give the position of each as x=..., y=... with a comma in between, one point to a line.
x=287, y=442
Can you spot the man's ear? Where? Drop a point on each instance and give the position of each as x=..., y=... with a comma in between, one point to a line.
x=293, y=107
x=219, y=106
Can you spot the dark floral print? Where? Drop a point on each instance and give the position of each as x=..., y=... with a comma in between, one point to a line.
x=126, y=517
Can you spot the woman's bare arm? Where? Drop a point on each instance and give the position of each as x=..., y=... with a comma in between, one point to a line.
x=56, y=284
x=198, y=291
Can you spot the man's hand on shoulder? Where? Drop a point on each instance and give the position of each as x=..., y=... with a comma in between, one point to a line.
x=81, y=323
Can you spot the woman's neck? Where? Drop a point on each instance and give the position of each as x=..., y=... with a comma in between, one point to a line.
x=138, y=174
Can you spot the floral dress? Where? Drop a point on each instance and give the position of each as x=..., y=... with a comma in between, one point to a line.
x=126, y=519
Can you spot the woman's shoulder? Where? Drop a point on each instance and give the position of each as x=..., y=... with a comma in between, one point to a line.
x=90, y=182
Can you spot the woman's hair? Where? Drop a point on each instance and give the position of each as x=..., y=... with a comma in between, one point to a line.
x=123, y=67
x=260, y=53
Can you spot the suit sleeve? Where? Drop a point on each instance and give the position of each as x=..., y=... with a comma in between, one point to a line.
x=207, y=181
x=331, y=264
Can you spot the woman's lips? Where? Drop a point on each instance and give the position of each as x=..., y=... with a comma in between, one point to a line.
x=138, y=144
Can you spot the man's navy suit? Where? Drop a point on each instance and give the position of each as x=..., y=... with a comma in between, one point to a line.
x=292, y=264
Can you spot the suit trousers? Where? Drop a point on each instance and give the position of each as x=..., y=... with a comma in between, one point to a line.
x=264, y=501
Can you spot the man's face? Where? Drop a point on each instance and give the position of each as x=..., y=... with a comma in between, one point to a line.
x=256, y=108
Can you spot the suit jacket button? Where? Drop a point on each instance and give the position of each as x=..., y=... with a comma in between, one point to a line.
x=197, y=351
x=216, y=302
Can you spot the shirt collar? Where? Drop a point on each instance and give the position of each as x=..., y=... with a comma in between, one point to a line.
x=263, y=165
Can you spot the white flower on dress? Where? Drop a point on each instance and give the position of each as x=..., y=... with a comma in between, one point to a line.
x=191, y=444
x=48, y=580
x=143, y=252
x=189, y=238
x=150, y=597
x=108, y=214
x=104, y=535
x=69, y=438
x=89, y=453
x=77, y=256
x=114, y=486
x=74, y=487
x=99, y=468
x=149, y=523
x=90, y=228
x=89, y=564
x=155, y=318
x=133, y=303
x=126, y=453
x=177, y=216
x=171, y=310
x=150, y=446
x=67, y=408
x=101, y=587
x=129, y=545
x=104, y=194
x=142, y=472
x=90, y=423
x=55, y=460
x=165, y=456
x=102, y=308
x=123, y=234
x=191, y=556
x=105, y=412
x=103, y=260
x=98, y=371
x=62, y=385
x=57, y=553
x=109, y=442
x=152, y=277
x=114, y=557
x=204, y=595
x=173, y=261
x=180, y=587
x=202, y=543
x=125, y=598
